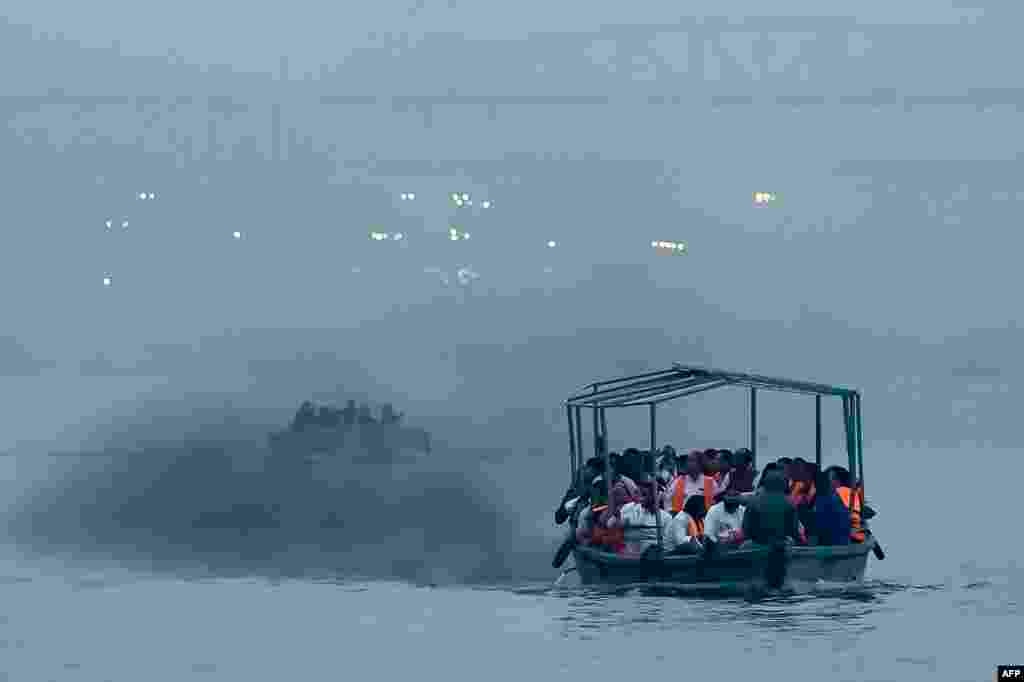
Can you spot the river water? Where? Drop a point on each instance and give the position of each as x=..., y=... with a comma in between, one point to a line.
x=945, y=605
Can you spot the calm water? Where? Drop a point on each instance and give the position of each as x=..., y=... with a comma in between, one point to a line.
x=944, y=605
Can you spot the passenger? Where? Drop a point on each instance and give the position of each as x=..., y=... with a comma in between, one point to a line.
x=724, y=523
x=770, y=469
x=694, y=482
x=666, y=475
x=306, y=416
x=619, y=479
x=801, y=487
x=388, y=415
x=639, y=524
x=579, y=492
x=841, y=483
x=831, y=517
x=348, y=414
x=688, y=527
x=589, y=516
x=770, y=519
x=803, y=495
x=365, y=416
x=724, y=470
x=741, y=478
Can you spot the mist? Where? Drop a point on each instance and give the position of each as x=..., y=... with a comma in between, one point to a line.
x=144, y=363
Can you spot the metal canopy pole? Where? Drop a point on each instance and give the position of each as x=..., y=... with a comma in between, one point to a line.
x=817, y=431
x=850, y=445
x=579, y=433
x=654, y=480
x=753, y=427
x=572, y=446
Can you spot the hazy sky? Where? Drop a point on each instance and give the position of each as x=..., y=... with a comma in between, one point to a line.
x=894, y=214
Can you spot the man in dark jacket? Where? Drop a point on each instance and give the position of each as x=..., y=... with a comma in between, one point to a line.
x=770, y=519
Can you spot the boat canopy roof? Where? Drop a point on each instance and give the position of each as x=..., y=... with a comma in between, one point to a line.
x=682, y=380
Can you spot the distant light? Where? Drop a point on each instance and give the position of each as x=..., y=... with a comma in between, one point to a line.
x=763, y=197
x=485, y=204
x=142, y=195
x=152, y=195
x=675, y=247
x=455, y=196
x=412, y=196
x=110, y=224
x=459, y=202
x=454, y=237
x=106, y=281
x=398, y=236
x=552, y=244
x=465, y=235
x=124, y=224
x=236, y=234
x=404, y=196
x=465, y=197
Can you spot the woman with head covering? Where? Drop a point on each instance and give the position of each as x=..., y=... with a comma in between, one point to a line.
x=639, y=521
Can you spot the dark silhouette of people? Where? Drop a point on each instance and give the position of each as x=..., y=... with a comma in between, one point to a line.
x=306, y=416
x=349, y=413
x=365, y=416
x=329, y=417
x=389, y=416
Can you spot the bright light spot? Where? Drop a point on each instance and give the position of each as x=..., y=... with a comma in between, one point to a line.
x=404, y=196
x=455, y=197
x=670, y=246
x=152, y=196
x=459, y=202
x=236, y=234
x=110, y=224
x=142, y=195
x=398, y=236
x=452, y=231
x=486, y=204
x=124, y=224
x=763, y=197
x=106, y=281
x=465, y=235
x=454, y=237
x=412, y=196
x=465, y=197
x=552, y=244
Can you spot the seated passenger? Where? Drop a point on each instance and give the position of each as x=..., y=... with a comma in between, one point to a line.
x=842, y=484
x=306, y=416
x=640, y=525
x=688, y=527
x=589, y=518
x=801, y=486
x=694, y=482
x=770, y=519
x=365, y=416
x=831, y=517
x=666, y=475
x=724, y=470
x=741, y=477
x=724, y=522
x=619, y=478
x=579, y=492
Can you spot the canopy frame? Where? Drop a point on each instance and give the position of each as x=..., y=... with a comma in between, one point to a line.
x=654, y=388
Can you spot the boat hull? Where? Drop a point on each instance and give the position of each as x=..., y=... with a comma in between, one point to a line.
x=741, y=566
x=370, y=437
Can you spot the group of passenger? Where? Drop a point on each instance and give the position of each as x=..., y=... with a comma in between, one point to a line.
x=707, y=501
x=328, y=417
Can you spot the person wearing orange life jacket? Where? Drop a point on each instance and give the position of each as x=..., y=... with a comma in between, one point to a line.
x=639, y=520
x=852, y=499
x=694, y=482
x=687, y=528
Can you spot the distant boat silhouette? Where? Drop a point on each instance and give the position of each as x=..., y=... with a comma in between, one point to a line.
x=973, y=371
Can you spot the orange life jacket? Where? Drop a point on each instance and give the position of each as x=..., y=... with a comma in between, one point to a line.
x=856, y=531
x=679, y=494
